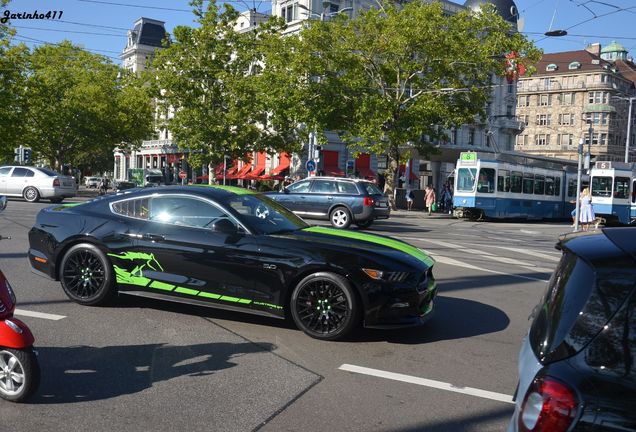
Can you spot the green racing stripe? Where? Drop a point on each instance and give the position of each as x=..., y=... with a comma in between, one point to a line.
x=234, y=189
x=393, y=244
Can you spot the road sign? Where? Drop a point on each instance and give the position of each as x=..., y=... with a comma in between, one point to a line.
x=182, y=174
x=310, y=165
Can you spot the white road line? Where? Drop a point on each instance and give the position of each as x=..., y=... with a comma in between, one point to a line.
x=482, y=254
x=550, y=256
x=450, y=261
x=485, y=394
x=42, y=315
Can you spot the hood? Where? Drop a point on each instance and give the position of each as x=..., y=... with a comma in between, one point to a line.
x=365, y=243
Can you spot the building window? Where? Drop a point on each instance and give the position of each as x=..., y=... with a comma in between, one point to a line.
x=290, y=12
x=574, y=65
x=551, y=67
x=597, y=97
x=545, y=100
x=542, y=139
x=511, y=88
x=453, y=136
x=509, y=111
x=544, y=119
x=602, y=139
x=471, y=136
x=523, y=101
x=568, y=98
x=566, y=119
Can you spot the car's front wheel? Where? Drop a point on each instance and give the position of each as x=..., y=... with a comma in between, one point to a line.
x=19, y=374
x=325, y=306
x=86, y=275
x=31, y=194
x=340, y=217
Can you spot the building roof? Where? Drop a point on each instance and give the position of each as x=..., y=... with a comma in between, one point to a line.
x=613, y=47
x=149, y=32
x=563, y=60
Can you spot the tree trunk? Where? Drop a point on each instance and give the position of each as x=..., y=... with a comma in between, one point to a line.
x=391, y=175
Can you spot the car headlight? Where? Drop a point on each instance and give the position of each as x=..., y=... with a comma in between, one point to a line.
x=389, y=276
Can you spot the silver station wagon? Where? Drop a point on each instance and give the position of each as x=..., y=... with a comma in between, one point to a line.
x=33, y=183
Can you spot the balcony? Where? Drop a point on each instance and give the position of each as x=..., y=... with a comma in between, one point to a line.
x=508, y=122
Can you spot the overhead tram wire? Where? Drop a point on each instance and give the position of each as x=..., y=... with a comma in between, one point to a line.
x=135, y=5
x=32, y=40
x=68, y=31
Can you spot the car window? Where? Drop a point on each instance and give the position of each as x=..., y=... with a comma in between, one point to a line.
x=21, y=172
x=324, y=186
x=264, y=215
x=4, y=171
x=134, y=208
x=185, y=211
x=48, y=172
x=371, y=188
x=300, y=187
x=347, y=188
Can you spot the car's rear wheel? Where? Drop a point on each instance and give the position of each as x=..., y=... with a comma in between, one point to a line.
x=86, y=275
x=19, y=374
x=325, y=306
x=340, y=217
x=365, y=224
x=31, y=194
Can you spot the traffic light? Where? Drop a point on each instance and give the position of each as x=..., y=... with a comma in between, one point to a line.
x=317, y=151
x=26, y=155
x=17, y=155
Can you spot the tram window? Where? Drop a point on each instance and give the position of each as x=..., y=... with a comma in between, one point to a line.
x=539, y=184
x=517, y=180
x=634, y=191
x=557, y=186
x=466, y=179
x=486, y=181
x=601, y=186
x=528, y=183
x=621, y=187
x=549, y=185
x=572, y=188
x=503, y=181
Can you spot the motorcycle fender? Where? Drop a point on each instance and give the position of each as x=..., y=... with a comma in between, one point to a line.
x=15, y=334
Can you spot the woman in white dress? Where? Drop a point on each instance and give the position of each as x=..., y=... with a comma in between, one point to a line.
x=587, y=212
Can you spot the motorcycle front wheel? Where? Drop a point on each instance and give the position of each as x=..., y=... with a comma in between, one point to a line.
x=19, y=374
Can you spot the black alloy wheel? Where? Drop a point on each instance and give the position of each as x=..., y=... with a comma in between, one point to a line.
x=324, y=306
x=86, y=275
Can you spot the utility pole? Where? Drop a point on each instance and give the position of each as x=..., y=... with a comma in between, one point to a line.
x=629, y=129
x=577, y=208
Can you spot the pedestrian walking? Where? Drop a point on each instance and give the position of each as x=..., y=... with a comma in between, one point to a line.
x=409, y=199
x=586, y=216
x=429, y=198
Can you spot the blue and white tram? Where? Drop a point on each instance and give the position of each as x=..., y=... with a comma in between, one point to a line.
x=614, y=191
x=512, y=185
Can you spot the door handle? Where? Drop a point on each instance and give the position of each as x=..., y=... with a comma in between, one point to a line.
x=153, y=237
x=330, y=198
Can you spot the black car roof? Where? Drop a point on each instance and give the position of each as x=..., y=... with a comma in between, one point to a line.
x=207, y=190
x=624, y=238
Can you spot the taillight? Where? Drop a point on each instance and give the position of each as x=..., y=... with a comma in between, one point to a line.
x=56, y=182
x=368, y=201
x=549, y=405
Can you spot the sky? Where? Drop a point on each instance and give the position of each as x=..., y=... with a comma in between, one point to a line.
x=101, y=26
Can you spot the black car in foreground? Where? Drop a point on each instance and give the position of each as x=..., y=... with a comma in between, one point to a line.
x=230, y=248
x=341, y=201
x=577, y=366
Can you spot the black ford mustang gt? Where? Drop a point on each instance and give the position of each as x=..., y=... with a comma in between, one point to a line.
x=230, y=248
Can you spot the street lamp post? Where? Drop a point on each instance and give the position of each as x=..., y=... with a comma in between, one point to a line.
x=577, y=208
x=629, y=129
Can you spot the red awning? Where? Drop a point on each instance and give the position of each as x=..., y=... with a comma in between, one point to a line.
x=330, y=164
x=247, y=167
x=283, y=164
x=261, y=158
x=219, y=170
x=363, y=166
x=412, y=176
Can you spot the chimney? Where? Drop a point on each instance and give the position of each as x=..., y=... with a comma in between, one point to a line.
x=594, y=48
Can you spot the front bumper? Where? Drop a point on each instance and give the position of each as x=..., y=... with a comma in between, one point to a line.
x=397, y=306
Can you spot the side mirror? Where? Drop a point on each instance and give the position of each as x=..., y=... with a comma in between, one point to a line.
x=3, y=202
x=224, y=226
x=285, y=190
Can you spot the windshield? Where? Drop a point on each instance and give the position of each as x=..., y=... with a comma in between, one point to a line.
x=371, y=188
x=48, y=172
x=264, y=215
x=601, y=186
x=466, y=179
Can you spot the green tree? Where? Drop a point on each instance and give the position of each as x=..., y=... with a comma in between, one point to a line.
x=208, y=80
x=78, y=107
x=395, y=76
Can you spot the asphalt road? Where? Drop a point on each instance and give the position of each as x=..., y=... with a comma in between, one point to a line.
x=142, y=365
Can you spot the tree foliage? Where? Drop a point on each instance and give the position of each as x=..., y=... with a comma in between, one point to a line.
x=396, y=76
x=208, y=87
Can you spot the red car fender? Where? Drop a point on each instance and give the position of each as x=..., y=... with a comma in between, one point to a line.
x=10, y=338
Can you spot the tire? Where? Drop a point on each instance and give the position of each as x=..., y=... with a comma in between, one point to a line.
x=366, y=224
x=325, y=306
x=340, y=217
x=31, y=194
x=56, y=200
x=86, y=275
x=19, y=374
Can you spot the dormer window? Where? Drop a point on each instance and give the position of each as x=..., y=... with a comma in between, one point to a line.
x=574, y=65
x=551, y=67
